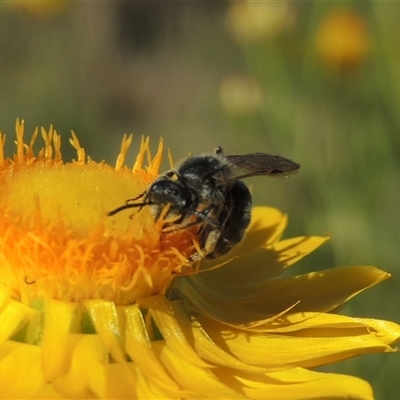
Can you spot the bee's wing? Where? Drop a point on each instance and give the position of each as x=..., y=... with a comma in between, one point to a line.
x=262, y=164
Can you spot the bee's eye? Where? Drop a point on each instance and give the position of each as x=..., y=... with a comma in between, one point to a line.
x=172, y=191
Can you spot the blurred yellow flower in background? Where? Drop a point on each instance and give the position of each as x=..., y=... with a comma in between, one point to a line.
x=39, y=9
x=251, y=21
x=342, y=40
x=100, y=307
x=240, y=94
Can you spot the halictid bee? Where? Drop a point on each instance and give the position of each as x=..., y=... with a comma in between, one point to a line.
x=205, y=191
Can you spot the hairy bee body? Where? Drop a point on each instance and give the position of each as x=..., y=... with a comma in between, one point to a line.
x=206, y=191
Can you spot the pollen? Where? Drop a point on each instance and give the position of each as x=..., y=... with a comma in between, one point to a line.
x=56, y=238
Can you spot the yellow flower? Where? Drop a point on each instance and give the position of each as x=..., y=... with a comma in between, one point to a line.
x=39, y=9
x=342, y=40
x=240, y=95
x=249, y=21
x=109, y=307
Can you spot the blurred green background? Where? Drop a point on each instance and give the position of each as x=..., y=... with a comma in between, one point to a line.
x=317, y=82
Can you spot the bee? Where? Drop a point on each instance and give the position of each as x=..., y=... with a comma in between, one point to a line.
x=207, y=191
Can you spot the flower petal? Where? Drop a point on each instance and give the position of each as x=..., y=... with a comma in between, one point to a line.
x=266, y=227
x=140, y=350
x=300, y=383
x=163, y=315
x=283, y=351
x=317, y=291
x=196, y=379
x=55, y=337
x=262, y=265
x=47, y=392
x=387, y=331
x=203, y=344
x=13, y=315
x=105, y=318
x=310, y=323
x=86, y=370
x=21, y=373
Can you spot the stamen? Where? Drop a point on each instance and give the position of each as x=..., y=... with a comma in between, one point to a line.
x=79, y=149
x=126, y=143
x=144, y=144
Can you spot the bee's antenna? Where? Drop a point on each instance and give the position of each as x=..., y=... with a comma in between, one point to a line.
x=130, y=205
x=124, y=207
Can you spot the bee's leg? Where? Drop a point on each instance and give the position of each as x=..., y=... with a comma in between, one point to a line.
x=202, y=219
x=209, y=246
x=179, y=227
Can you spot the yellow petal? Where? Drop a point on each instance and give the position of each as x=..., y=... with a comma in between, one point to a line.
x=331, y=324
x=21, y=373
x=86, y=373
x=47, y=392
x=92, y=375
x=13, y=315
x=298, y=383
x=105, y=318
x=139, y=348
x=283, y=351
x=199, y=380
x=164, y=317
x=250, y=270
x=204, y=345
x=56, y=336
x=266, y=227
x=317, y=291
x=387, y=331
x=145, y=389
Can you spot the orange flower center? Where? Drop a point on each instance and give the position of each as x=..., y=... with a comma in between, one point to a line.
x=57, y=240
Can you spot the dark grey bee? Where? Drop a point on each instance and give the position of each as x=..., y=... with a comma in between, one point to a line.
x=205, y=191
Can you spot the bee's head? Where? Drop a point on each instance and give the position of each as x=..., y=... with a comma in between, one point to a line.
x=165, y=191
